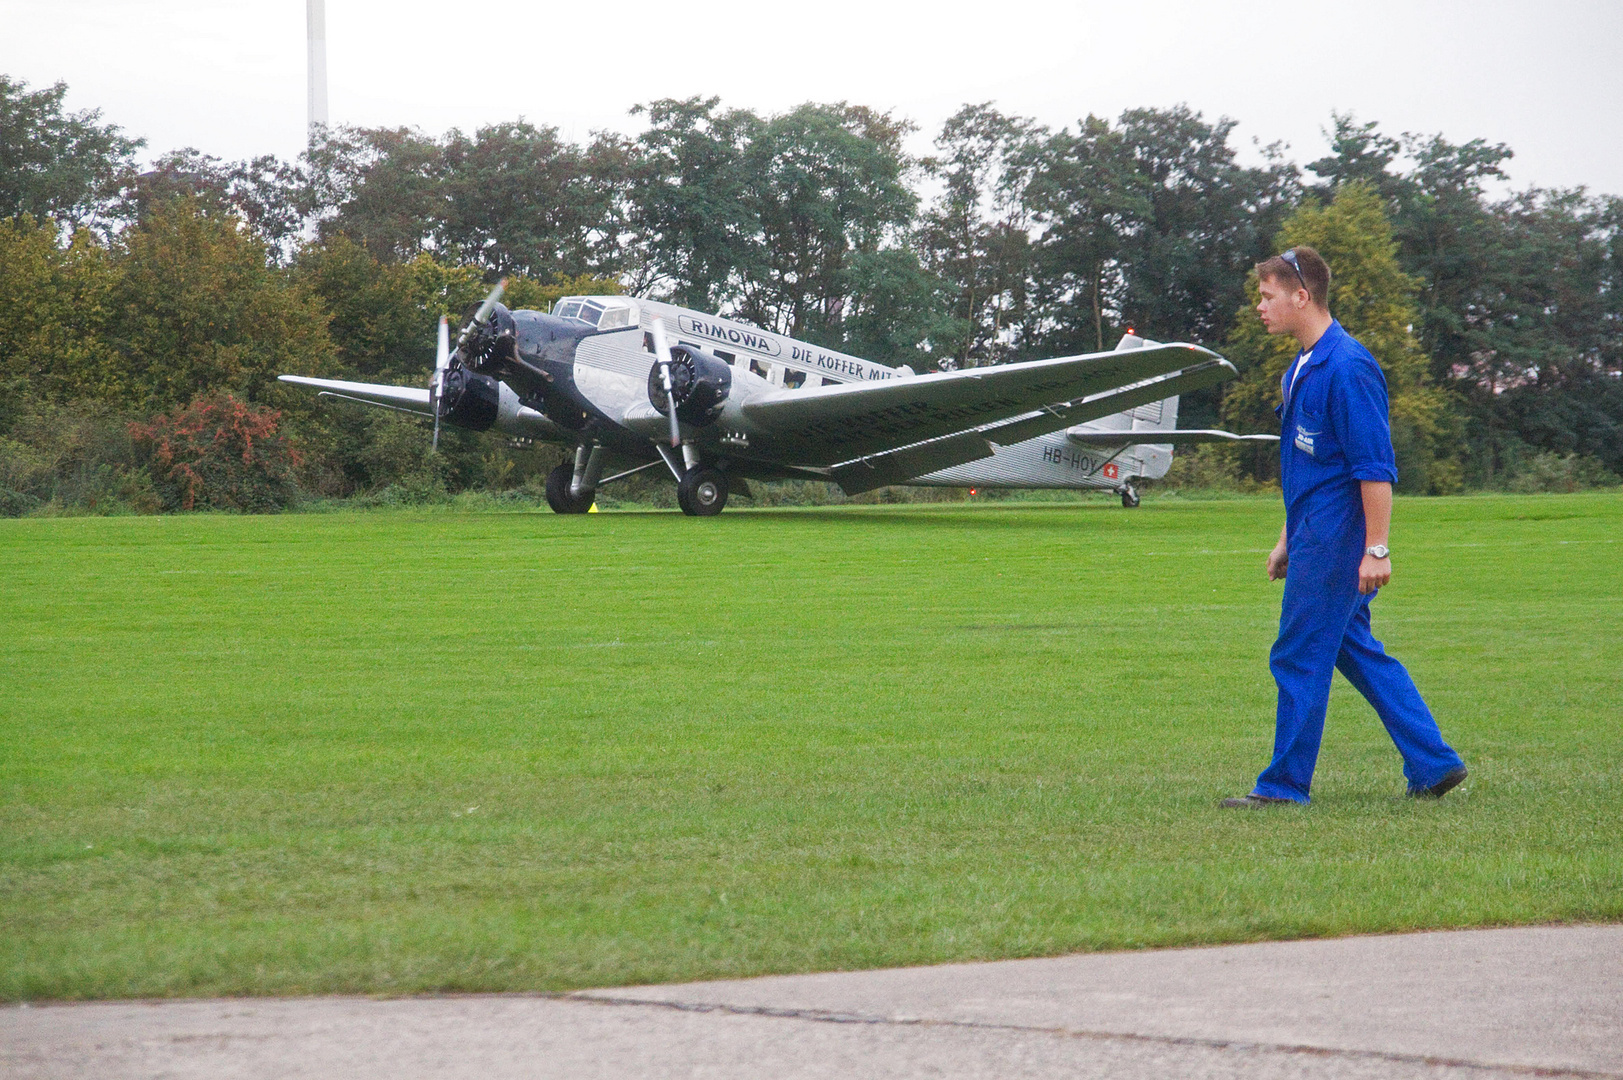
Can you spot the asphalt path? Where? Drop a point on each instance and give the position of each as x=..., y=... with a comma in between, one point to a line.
x=1539, y=1001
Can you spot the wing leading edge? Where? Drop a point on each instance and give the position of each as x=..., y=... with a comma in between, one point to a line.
x=405, y=398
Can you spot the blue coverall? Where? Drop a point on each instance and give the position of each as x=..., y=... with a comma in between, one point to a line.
x=1334, y=433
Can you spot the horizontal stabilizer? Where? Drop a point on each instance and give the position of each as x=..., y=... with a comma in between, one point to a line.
x=1112, y=439
x=404, y=398
x=898, y=466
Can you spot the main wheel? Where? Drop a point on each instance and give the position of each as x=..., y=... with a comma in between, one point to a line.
x=1129, y=496
x=702, y=492
x=558, y=497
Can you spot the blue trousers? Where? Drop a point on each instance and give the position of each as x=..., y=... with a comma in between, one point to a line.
x=1324, y=627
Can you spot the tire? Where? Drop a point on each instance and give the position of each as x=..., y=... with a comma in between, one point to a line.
x=702, y=492
x=558, y=496
x=1129, y=497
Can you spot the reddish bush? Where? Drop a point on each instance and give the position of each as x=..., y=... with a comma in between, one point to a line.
x=219, y=453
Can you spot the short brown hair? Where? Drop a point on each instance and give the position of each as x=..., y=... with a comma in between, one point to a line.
x=1315, y=273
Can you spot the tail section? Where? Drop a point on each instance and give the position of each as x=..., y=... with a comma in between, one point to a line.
x=1148, y=458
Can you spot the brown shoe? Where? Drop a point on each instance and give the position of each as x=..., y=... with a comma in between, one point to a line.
x=1253, y=802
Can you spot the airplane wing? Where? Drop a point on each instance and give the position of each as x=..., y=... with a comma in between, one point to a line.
x=402, y=398
x=1111, y=440
x=896, y=466
x=834, y=424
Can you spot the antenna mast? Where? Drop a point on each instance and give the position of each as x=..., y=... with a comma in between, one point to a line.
x=316, y=14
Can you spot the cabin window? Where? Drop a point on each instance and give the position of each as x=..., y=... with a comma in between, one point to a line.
x=830, y=382
x=615, y=317
x=592, y=313
x=727, y=356
x=793, y=380
x=567, y=309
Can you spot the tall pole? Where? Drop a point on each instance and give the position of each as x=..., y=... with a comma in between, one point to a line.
x=316, y=14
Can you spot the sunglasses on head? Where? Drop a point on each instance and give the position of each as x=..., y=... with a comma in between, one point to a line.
x=1290, y=257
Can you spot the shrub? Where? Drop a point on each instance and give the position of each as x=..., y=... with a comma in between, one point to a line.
x=219, y=453
x=1549, y=471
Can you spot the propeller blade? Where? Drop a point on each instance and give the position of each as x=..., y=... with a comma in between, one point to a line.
x=662, y=350
x=442, y=361
x=484, y=311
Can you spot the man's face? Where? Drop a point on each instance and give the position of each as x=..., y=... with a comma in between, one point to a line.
x=1281, y=308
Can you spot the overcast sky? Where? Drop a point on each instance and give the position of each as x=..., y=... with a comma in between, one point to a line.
x=228, y=76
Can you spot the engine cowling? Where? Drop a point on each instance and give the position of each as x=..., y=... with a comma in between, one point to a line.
x=470, y=400
x=700, y=383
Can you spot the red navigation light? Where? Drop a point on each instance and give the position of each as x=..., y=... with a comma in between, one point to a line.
x=972, y=491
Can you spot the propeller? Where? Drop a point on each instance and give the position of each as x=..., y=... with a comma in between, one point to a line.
x=442, y=351
x=483, y=313
x=662, y=350
x=442, y=362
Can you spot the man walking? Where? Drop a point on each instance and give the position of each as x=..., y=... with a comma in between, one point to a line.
x=1337, y=468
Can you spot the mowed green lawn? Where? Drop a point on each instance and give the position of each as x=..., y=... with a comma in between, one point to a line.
x=395, y=752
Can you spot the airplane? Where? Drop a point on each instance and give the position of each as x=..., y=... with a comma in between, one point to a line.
x=600, y=373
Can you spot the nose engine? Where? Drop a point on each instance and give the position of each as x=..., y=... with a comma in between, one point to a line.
x=699, y=383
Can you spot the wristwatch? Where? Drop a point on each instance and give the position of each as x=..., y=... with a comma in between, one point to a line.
x=1380, y=551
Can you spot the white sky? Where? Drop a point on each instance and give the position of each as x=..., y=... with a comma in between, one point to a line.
x=228, y=76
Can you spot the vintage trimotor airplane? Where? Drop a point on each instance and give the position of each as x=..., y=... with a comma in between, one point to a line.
x=600, y=374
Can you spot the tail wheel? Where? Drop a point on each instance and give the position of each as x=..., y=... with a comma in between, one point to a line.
x=558, y=497
x=1129, y=496
x=702, y=492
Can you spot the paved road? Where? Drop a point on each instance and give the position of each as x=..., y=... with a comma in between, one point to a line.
x=1545, y=1001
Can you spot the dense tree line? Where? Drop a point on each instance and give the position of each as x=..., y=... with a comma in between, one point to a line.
x=140, y=300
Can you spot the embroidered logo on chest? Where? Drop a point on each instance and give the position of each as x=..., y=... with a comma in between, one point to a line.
x=1304, y=440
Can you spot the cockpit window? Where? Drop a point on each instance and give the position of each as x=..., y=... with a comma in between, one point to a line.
x=605, y=313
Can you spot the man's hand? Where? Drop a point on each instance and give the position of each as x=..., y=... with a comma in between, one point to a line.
x=1377, y=497
x=1373, y=573
x=1279, y=561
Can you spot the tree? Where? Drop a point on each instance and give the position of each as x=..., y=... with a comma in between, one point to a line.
x=1183, y=265
x=195, y=309
x=1374, y=300
x=695, y=232
x=976, y=237
x=383, y=187
x=519, y=200
x=54, y=312
x=1359, y=154
x=56, y=165
x=1088, y=199
x=898, y=312
x=827, y=184
x=266, y=193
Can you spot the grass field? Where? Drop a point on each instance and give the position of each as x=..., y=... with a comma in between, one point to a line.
x=395, y=752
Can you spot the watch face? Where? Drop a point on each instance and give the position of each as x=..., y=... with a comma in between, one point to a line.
x=1380, y=551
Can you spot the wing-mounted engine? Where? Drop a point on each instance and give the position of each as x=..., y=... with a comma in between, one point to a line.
x=469, y=399
x=700, y=383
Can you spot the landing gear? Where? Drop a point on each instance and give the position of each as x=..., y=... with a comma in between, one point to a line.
x=1129, y=496
x=558, y=497
x=702, y=492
